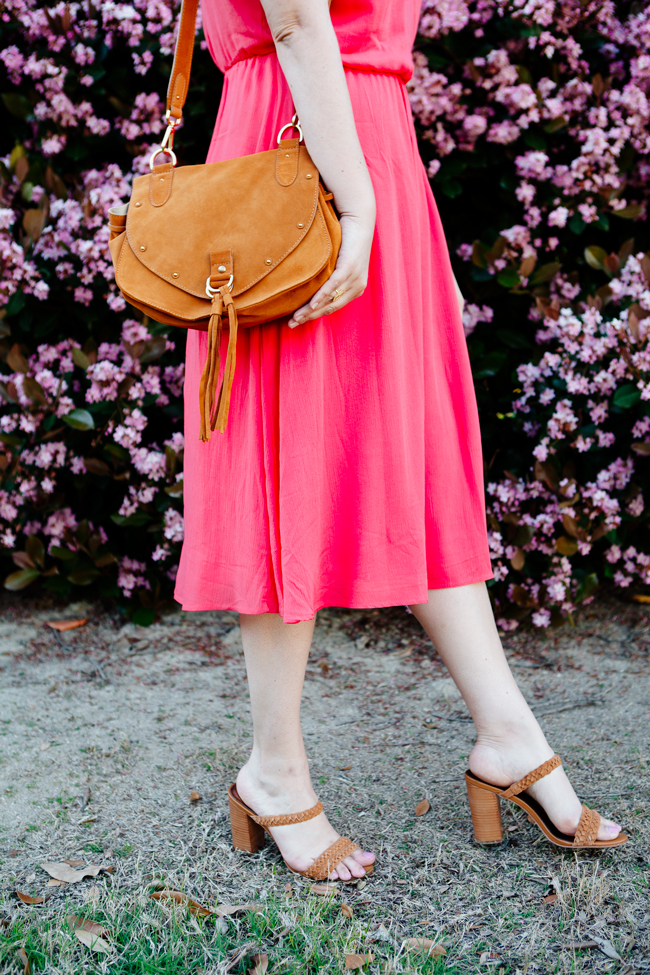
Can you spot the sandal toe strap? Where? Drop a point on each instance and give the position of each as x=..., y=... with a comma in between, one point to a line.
x=588, y=827
x=290, y=818
x=329, y=860
x=534, y=776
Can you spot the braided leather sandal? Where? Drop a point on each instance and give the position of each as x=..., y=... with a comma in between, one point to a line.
x=248, y=835
x=486, y=812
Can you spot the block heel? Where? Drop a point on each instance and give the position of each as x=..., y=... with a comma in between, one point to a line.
x=484, y=803
x=486, y=813
x=247, y=835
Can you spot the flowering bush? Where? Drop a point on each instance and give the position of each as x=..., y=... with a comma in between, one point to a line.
x=533, y=119
x=91, y=421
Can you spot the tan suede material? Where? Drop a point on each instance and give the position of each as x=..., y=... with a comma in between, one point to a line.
x=180, y=76
x=160, y=184
x=265, y=219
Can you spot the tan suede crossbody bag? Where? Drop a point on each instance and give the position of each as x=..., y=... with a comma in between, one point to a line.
x=227, y=244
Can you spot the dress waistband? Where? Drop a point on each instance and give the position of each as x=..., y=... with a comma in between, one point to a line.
x=403, y=76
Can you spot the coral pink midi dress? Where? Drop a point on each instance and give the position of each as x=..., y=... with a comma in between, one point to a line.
x=350, y=473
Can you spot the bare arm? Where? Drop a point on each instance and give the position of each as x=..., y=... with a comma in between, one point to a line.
x=310, y=59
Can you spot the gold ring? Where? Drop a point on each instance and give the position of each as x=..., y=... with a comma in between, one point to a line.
x=338, y=294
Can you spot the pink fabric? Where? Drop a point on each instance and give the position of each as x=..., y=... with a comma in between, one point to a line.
x=350, y=473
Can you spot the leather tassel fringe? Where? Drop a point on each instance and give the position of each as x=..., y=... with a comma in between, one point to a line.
x=214, y=405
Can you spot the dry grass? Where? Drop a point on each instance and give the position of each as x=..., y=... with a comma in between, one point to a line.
x=143, y=718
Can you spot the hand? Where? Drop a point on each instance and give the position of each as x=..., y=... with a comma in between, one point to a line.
x=350, y=276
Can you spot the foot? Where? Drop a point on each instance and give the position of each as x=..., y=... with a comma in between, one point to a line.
x=506, y=758
x=301, y=843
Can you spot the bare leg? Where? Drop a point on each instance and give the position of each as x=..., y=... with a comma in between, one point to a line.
x=510, y=742
x=276, y=779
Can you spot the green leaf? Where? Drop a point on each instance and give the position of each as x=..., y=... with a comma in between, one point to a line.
x=451, y=188
x=79, y=420
x=515, y=340
x=83, y=577
x=80, y=358
x=135, y=520
x=490, y=364
x=117, y=450
x=626, y=396
x=153, y=349
x=587, y=586
x=509, y=277
x=535, y=140
x=595, y=257
x=557, y=124
x=106, y=559
x=545, y=273
x=58, y=552
x=175, y=490
x=576, y=224
x=18, y=105
x=10, y=439
x=143, y=616
x=35, y=550
x=629, y=213
x=21, y=579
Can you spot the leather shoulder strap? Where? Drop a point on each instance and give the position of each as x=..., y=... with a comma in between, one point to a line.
x=179, y=81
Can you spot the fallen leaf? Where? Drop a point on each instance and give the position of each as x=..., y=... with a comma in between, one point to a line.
x=55, y=883
x=84, y=924
x=92, y=941
x=195, y=797
x=13, y=853
x=44, y=746
x=74, y=863
x=581, y=945
x=488, y=958
x=357, y=961
x=426, y=944
x=345, y=768
x=346, y=910
x=381, y=934
x=63, y=625
x=28, y=899
x=63, y=871
x=323, y=890
x=606, y=947
x=422, y=807
x=179, y=898
x=85, y=797
x=550, y=898
x=30, y=879
x=92, y=895
x=260, y=964
x=223, y=910
x=24, y=960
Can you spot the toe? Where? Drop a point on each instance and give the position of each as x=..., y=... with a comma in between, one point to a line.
x=333, y=876
x=342, y=870
x=355, y=868
x=608, y=829
x=363, y=857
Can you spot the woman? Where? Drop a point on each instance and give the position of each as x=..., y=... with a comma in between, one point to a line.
x=350, y=473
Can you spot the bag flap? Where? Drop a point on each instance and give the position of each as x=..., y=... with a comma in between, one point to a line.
x=251, y=206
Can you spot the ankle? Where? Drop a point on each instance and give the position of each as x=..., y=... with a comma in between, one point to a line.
x=276, y=774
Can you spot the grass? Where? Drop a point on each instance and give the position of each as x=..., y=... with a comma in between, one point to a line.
x=304, y=934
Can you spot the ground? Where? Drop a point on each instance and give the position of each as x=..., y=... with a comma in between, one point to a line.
x=109, y=729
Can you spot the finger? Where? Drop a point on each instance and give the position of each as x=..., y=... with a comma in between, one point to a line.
x=329, y=299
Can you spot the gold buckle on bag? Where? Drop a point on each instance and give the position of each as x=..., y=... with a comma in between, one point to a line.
x=167, y=144
x=293, y=124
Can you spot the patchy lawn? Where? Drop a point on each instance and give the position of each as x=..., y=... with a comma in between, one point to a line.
x=108, y=730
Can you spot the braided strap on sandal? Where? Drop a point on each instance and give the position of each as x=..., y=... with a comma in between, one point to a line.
x=534, y=776
x=588, y=827
x=290, y=818
x=327, y=861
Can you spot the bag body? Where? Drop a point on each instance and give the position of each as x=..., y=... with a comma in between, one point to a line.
x=229, y=244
